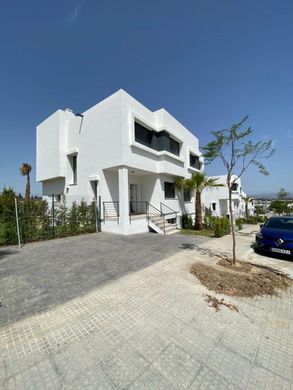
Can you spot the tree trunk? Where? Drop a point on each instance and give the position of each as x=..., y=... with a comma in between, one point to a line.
x=27, y=188
x=246, y=210
x=198, y=218
x=232, y=225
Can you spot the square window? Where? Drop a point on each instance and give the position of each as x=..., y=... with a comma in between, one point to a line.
x=169, y=189
x=194, y=161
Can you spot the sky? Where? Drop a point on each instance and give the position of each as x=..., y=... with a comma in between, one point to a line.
x=207, y=62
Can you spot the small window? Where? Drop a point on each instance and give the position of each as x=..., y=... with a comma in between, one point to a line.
x=234, y=187
x=73, y=165
x=194, y=161
x=58, y=198
x=214, y=206
x=187, y=195
x=169, y=189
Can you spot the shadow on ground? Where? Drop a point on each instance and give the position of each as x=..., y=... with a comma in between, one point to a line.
x=4, y=253
x=45, y=274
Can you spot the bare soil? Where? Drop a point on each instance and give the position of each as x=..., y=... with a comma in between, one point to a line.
x=217, y=303
x=242, y=280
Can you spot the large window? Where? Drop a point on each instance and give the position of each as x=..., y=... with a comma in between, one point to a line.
x=169, y=189
x=194, y=161
x=156, y=140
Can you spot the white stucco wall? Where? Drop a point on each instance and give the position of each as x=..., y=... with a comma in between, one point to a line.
x=103, y=141
x=220, y=196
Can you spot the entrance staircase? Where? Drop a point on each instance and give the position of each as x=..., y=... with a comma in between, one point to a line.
x=159, y=220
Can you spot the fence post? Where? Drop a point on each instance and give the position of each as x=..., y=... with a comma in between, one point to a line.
x=99, y=214
x=53, y=216
x=17, y=222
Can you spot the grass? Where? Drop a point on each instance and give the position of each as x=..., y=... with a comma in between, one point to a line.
x=204, y=232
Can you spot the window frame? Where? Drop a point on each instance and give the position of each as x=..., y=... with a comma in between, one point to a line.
x=171, y=190
x=185, y=192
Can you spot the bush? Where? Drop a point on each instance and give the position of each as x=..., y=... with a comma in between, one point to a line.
x=187, y=222
x=255, y=219
x=239, y=223
x=220, y=226
x=38, y=221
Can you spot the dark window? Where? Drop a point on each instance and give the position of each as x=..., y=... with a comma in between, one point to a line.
x=169, y=189
x=73, y=164
x=186, y=195
x=74, y=169
x=144, y=136
x=214, y=206
x=194, y=161
x=234, y=187
x=156, y=140
x=174, y=146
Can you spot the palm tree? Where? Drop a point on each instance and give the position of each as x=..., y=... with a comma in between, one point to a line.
x=246, y=200
x=25, y=170
x=198, y=182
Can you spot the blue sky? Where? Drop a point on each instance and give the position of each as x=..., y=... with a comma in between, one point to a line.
x=207, y=62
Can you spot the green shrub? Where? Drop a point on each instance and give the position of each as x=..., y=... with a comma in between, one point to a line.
x=239, y=223
x=187, y=221
x=255, y=219
x=38, y=221
x=220, y=226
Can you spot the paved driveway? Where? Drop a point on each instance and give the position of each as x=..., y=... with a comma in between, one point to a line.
x=104, y=311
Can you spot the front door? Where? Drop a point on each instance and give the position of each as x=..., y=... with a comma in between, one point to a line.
x=133, y=198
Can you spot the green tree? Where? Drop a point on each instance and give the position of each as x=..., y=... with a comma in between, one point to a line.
x=25, y=170
x=279, y=207
x=237, y=156
x=283, y=194
x=197, y=183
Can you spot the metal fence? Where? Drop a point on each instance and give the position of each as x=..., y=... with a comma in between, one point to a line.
x=23, y=221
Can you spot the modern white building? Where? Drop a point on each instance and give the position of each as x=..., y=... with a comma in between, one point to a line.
x=216, y=199
x=125, y=154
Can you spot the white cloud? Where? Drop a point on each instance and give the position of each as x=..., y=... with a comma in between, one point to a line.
x=73, y=15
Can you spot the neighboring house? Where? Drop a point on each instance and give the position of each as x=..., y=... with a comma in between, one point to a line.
x=216, y=199
x=124, y=154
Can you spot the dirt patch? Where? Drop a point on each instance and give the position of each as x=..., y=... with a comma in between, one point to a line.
x=240, y=266
x=217, y=303
x=241, y=280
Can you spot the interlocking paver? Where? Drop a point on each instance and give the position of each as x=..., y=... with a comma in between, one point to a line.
x=82, y=313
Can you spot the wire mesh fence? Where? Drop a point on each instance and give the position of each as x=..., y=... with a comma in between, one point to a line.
x=23, y=221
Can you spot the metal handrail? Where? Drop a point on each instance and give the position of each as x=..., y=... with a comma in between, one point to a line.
x=111, y=210
x=153, y=211
x=169, y=213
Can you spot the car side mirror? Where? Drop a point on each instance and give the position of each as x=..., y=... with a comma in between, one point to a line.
x=261, y=225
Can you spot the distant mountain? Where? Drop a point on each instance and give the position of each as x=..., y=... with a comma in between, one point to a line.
x=269, y=195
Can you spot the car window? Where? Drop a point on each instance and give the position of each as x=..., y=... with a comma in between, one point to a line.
x=286, y=224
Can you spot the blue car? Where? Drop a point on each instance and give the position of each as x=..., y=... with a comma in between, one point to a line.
x=276, y=236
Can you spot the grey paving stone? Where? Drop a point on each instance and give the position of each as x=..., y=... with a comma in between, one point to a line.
x=83, y=313
x=177, y=366
x=152, y=379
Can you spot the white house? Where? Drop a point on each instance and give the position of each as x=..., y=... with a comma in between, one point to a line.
x=216, y=199
x=125, y=154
